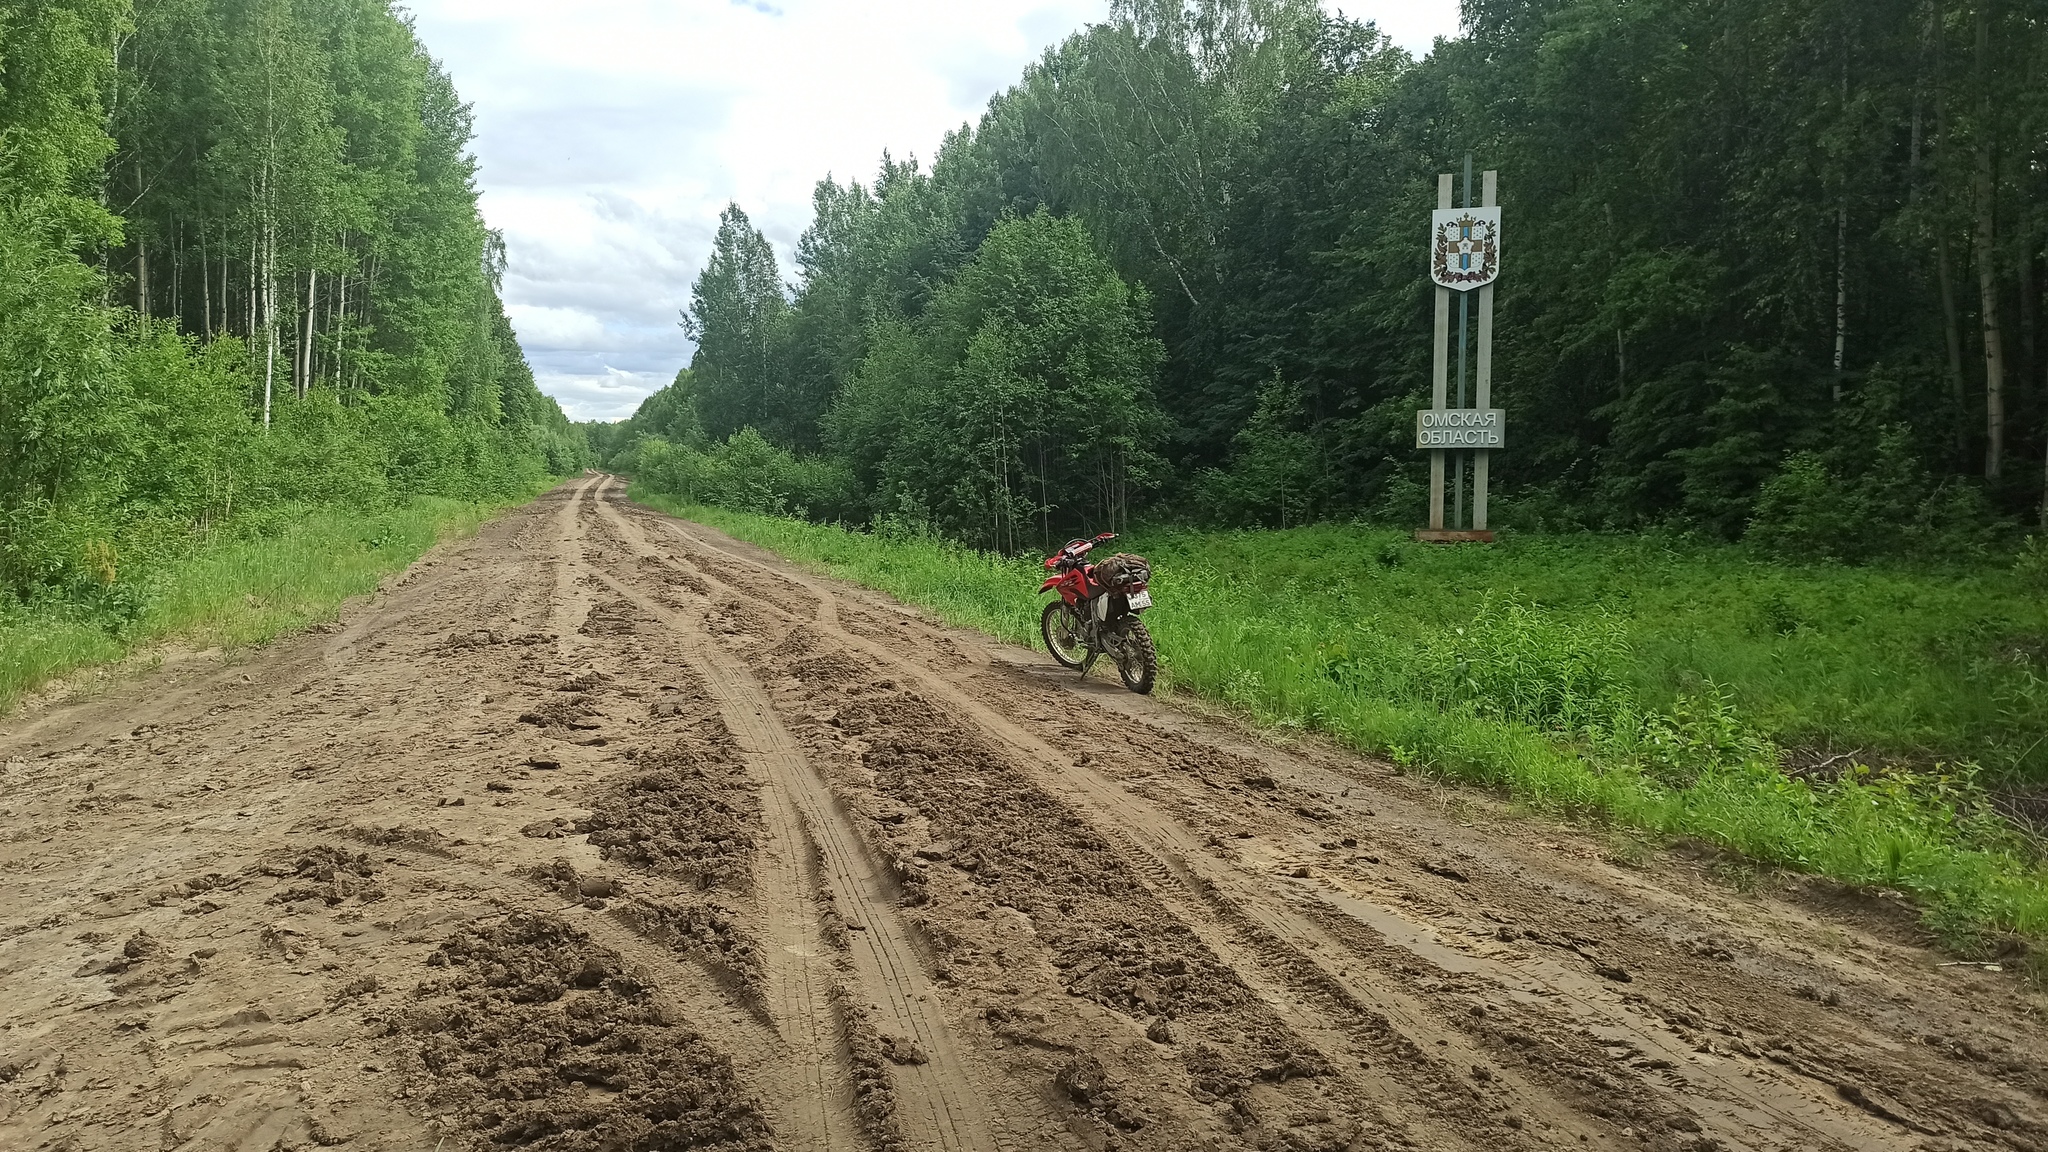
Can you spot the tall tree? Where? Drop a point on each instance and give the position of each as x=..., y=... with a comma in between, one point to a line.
x=737, y=312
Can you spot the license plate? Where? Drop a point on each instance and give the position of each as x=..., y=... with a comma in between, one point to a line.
x=1140, y=600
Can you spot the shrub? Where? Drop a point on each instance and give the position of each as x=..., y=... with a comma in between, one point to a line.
x=1819, y=507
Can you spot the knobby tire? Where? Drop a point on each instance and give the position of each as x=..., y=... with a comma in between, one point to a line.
x=1138, y=663
x=1049, y=620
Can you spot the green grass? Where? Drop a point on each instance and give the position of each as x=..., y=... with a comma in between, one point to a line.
x=1654, y=685
x=229, y=592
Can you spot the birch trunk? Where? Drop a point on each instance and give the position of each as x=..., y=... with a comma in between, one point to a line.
x=340, y=329
x=269, y=300
x=305, y=365
x=1994, y=337
x=2027, y=372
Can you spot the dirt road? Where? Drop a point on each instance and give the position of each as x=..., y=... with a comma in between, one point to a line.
x=600, y=830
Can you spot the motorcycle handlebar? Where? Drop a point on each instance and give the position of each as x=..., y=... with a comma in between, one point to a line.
x=1075, y=549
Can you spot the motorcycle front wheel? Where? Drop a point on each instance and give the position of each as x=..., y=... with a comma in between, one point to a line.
x=1060, y=624
x=1136, y=660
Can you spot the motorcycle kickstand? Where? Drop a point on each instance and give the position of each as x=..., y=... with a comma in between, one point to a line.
x=1089, y=662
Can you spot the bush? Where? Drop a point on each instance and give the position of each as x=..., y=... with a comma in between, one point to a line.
x=1819, y=507
x=745, y=473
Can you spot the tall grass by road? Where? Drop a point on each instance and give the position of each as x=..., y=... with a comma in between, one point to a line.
x=263, y=579
x=1670, y=688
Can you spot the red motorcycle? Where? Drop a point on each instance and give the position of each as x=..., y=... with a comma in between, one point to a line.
x=1097, y=612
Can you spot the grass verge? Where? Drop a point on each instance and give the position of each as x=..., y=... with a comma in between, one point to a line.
x=231, y=591
x=1636, y=683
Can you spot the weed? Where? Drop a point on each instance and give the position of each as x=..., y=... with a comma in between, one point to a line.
x=1741, y=875
x=1630, y=850
x=2032, y=563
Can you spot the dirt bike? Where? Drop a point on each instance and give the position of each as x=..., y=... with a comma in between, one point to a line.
x=1097, y=612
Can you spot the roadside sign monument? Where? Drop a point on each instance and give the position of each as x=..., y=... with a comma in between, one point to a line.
x=1464, y=257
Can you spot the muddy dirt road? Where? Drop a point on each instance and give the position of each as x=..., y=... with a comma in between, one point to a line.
x=601, y=831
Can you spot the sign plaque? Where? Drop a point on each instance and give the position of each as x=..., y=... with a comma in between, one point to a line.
x=1460, y=428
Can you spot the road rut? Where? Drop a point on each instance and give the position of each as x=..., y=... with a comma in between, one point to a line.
x=601, y=829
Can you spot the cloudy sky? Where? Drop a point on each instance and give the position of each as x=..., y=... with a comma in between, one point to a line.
x=612, y=132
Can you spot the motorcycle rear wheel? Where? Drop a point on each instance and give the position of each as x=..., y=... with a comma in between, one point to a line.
x=1137, y=661
x=1060, y=625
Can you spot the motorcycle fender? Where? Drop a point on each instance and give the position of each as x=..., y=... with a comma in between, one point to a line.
x=1050, y=583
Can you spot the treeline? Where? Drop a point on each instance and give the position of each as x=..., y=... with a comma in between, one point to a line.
x=1771, y=269
x=242, y=271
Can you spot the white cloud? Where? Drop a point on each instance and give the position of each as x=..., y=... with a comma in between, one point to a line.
x=612, y=134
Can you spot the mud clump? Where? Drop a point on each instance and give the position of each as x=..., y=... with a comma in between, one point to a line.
x=563, y=877
x=335, y=875
x=874, y=1090
x=709, y=933
x=571, y=711
x=1142, y=976
x=1087, y=1084
x=588, y=680
x=671, y=574
x=406, y=836
x=692, y=813
x=614, y=617
x=539, y=1038
x=1109, y=938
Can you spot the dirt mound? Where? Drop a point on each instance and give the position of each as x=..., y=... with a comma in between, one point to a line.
x=613, y=617
x=540, y=1038
x=698, y=821
x=328, y=874
x=711, y=933
x=570, y=711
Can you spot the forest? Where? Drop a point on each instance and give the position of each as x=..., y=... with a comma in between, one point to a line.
x=243, y=282
x=1773, y=272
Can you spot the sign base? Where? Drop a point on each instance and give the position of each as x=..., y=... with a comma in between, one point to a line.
x=1453, y=536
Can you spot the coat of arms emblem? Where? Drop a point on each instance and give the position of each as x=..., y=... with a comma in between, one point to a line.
x=1464, y=247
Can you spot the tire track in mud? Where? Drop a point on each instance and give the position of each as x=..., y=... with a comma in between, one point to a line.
x=803, y=1059
x=937, y=1104
x=255, y=979
x=1721, y=1088
x=1249, y=954
x=1261, y=918
x=1219, y=908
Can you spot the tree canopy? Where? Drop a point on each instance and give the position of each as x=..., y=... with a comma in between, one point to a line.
x=241, y=268
x=1749, y=244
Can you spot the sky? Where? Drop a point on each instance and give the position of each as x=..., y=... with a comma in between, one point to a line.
x=611, y=133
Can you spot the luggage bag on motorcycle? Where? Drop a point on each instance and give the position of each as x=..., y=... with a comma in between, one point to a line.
x=1122, y=571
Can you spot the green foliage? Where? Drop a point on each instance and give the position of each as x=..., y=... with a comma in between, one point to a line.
x=2032, y=564
x=1277, y=474
x=1559, y=687
x=746, y=473
x=1017, y=398
x=295, y=314
x=737, y=316
x=272, y=575
x=1022, y=394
